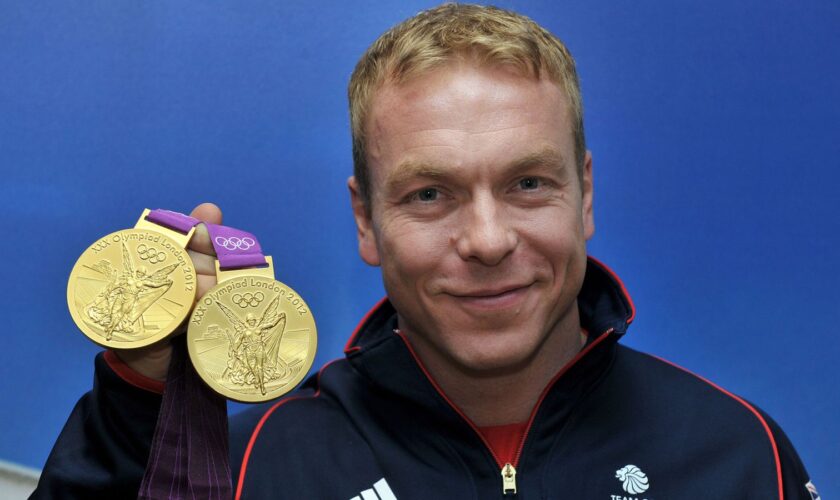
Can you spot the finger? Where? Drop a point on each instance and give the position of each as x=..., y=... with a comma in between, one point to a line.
x=207, y=212
x=205, y=283
x=200, y=241
x=204, y=264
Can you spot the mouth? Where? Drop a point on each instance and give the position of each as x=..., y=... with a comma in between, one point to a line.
x=492, y=298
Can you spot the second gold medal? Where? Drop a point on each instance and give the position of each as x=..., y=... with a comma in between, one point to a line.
x=251, y=338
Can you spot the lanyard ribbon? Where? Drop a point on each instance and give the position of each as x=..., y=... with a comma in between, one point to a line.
x=190, y=456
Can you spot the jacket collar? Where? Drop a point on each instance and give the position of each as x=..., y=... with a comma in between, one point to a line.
x=386, y=360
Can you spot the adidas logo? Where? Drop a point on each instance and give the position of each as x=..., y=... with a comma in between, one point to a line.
x=380, y=491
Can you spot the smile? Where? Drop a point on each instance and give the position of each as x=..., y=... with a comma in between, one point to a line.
x=492, y=299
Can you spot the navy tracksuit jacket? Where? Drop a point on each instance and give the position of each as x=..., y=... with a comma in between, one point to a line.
x=614, y=424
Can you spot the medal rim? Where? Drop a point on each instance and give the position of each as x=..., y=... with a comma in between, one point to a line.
x=127, y=345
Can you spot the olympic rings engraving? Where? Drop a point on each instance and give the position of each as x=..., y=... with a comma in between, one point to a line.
x=153, y=255
x=248, y=299
x=234, y=243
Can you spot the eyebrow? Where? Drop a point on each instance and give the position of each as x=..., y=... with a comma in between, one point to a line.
x=410, y=170
x=546, y=157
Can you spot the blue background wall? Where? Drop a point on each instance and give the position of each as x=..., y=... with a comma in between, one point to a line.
x=715, y=128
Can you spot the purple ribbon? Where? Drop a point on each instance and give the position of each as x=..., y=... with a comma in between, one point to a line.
x=235, y=248
x=189, y=456
x=173, y=220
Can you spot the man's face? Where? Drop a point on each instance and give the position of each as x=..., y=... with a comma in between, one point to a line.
x=477, y=216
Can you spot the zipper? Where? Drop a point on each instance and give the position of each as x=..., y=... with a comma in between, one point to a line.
x=508, y=480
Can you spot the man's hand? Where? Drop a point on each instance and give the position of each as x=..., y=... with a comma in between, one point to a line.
x=153, y=361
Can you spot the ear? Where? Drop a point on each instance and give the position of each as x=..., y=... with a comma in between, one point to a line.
x=368, y=250
x=586, y=201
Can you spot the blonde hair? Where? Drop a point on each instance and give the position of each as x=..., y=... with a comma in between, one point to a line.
x=439, y=35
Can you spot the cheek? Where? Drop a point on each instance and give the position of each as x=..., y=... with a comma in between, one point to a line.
x=411, y=252
x=554, y=249
x=553, y=230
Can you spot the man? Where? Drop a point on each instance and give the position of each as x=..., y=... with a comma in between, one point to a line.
x=493, y=367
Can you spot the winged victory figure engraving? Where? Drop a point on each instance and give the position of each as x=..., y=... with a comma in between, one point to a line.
x=127, y=295
x=254, y=347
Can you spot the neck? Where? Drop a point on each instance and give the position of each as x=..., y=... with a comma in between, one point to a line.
x=504, y=397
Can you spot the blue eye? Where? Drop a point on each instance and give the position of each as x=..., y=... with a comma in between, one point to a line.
x=428, y=194
x=529, y=183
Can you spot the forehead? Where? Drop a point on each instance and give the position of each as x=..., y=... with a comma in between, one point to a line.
x=464, y=115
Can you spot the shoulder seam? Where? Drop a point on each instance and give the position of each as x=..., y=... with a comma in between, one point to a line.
x=749, y=407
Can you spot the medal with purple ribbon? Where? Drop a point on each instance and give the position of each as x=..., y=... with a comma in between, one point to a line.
x=251, y=338
x=134, y=287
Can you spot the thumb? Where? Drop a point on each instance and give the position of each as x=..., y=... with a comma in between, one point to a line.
x=206, y=212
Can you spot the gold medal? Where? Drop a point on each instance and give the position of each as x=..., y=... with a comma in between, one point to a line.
x=251, y=338
x=134, y=287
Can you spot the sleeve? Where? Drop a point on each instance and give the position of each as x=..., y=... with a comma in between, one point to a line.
x=104, y=446
x=796, y=483
x=242, y=426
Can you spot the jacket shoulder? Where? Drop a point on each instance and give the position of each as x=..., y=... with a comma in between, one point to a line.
x=287, y=443
x=692, y=407
x=696, y=430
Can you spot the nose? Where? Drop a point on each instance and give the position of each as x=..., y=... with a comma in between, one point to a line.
x=486, y=235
